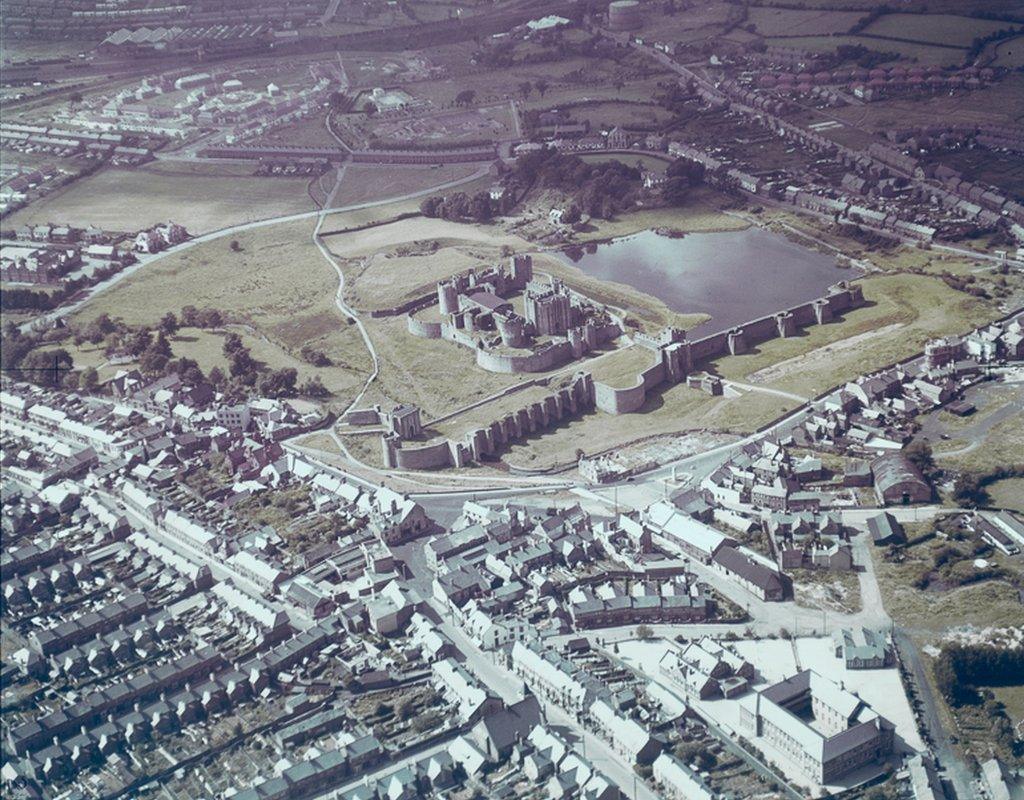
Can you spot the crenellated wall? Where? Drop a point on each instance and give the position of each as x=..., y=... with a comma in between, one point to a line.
x=541, y=360
x=411, y=307
x=431, y=456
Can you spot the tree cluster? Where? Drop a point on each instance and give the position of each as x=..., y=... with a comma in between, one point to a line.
x=461, y=207
x=960, y=669
x=600, y=189
x=682, y=175
x=20, y=299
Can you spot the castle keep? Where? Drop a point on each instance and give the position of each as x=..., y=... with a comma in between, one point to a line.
x=477, y=311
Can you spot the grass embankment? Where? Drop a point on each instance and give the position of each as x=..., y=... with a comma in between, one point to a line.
x=904, y=311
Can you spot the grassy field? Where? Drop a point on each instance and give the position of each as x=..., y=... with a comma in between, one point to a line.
x=609, y=114
x=914, y=51
x=365, y=184
x=947, y=29
x=1003, y=445
x=694, y=22
x=206, y=348
x=989, y=603
x=434, y=374
x=459, y=425
x=801, y=22
x=1008, y=493
x=202, y=197
x=309, y=132
x=904, y=311
x=620, y=369
x=674, y=410
x=1010, y=54
x=278, y=285
x=1013, y=698
x=650, y=163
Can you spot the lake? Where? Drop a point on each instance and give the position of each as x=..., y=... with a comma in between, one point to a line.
x=733, y=276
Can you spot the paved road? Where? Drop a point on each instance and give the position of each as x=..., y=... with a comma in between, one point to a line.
x=958, y=773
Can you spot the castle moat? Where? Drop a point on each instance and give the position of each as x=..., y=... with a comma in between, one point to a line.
x=732, y=276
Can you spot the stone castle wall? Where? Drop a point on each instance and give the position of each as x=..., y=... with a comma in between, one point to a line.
x=545, y=413
x=840, y=298
x=673, y=362
x=613, y=400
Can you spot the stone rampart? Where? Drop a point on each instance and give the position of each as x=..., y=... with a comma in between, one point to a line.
x=424, y=328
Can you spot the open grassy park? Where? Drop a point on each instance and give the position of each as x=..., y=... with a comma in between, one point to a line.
x=277, y=286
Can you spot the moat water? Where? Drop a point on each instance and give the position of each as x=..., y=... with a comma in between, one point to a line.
x=733, y=276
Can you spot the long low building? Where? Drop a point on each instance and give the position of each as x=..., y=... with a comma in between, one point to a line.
x=691, y=535
x=759, y=579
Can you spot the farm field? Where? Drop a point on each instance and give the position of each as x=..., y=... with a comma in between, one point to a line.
x=685, y=25
x=801, y=22
x=1010, y=54
x=202, y=197
x=366, y=183
x=1002, y=103
x=1008, y=493
x=309, y=132
x=948, y=29
x=904, y=311
x=638, y=115
x=914, y=51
